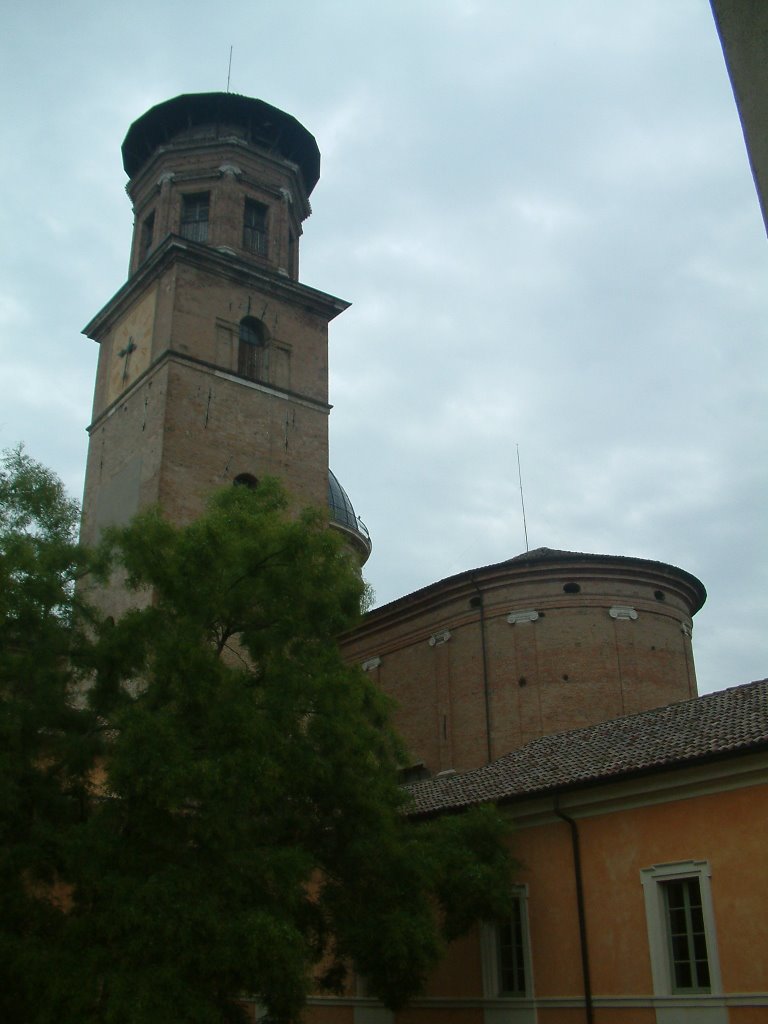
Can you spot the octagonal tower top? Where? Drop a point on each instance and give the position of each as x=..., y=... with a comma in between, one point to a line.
x=259, y=123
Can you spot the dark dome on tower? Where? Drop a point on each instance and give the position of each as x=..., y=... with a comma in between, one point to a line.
x=262, y=125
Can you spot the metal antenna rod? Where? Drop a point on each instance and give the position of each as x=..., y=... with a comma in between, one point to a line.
x=522, y=499
x=229, y=70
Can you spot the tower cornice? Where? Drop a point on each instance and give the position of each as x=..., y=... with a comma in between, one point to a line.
x=231, y=267
x=172, y=356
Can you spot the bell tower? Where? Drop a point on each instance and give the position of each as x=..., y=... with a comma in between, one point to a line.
x=213, y=362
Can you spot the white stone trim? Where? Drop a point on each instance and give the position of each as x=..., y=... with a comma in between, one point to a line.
x=528, y=615
x=520, y=1013
x=372, y=1015
x=748, y=999
x=439, y=638
x=286, y=396
x=646, y=791
x=622, y=611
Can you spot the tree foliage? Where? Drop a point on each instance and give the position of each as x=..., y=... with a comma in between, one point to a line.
x=245, y=831
x=45, y=746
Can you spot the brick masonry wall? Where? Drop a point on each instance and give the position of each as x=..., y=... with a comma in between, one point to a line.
x=572, y=666
x=229, y=173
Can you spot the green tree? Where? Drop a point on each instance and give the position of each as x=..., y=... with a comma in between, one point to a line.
x=45, y=737
x=249, y=836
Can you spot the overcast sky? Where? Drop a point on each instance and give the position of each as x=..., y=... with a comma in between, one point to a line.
x=544, y=217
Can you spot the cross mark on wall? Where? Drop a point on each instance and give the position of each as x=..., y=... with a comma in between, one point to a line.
x=125, y=353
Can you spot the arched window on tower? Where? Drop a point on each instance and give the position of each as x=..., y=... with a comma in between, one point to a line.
x=252, y=350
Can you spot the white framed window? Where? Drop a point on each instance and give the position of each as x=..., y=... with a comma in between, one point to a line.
x=681, y=929
x=506, y=952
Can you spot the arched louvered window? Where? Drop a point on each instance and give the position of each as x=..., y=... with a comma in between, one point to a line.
x=251, y=355
x=255, y=227
x=194, y=216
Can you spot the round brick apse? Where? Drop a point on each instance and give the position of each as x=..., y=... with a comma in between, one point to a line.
x=483, y=662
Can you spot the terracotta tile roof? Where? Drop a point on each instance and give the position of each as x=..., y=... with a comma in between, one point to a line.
x=730, y=721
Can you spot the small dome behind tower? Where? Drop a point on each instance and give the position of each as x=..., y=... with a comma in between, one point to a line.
x=343, y=518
